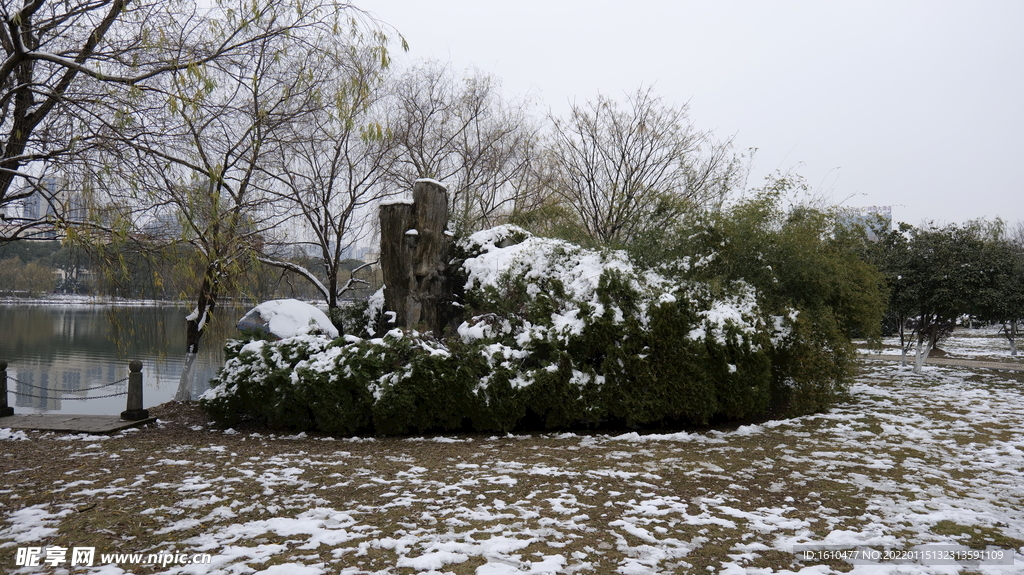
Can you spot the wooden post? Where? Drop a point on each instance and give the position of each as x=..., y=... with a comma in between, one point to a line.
x=414, y=250
x=135, y=411
x=4, y=409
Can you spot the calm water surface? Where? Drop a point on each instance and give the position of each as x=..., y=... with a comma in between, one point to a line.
x=56, y=351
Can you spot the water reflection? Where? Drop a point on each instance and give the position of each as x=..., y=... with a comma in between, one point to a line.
x=59, y=354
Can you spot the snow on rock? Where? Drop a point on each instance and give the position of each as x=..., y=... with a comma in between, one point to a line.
x=288, y=318
x=397, y=201
x=432, y=181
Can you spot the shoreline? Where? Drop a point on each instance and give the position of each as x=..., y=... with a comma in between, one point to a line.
x=87, y=300
x=83, y=300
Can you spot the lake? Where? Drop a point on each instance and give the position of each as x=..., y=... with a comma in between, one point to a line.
x=57, y=351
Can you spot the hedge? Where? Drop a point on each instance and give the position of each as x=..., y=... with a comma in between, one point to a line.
x=556, y=337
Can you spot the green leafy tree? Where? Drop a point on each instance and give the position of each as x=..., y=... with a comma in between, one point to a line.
x=1008, y=305
x=26, y=279
x=809, y=275
x=1001, y=259
x=891, y=254
x=935, y=275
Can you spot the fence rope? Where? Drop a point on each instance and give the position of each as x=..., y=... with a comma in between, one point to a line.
x=63, y=398
x=55, y=390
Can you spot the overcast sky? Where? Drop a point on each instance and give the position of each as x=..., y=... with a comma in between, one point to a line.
x=918, y=105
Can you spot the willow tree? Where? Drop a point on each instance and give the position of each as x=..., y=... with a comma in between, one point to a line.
x=203, y=143
x=74, y=74
x=58, y=57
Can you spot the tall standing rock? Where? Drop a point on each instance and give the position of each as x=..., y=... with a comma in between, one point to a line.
x=414, y=252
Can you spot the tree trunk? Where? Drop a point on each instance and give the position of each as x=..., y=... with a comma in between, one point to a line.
x=333, y=311
x=922, y=352
x=195, y=327
x=904, y=347
x=925, y=342
x=188, y=379
x=1012, y=336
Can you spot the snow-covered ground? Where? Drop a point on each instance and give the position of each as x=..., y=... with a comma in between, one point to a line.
x=983, y=343
x=935, y=458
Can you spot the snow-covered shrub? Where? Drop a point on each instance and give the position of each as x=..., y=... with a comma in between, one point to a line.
x=426, y=388
x=333, y=385
x=256, y=382
x=575, y=336
x=706, y=357
x=555, y=336
x=402, y=383
x=811, y=280
x=811, y=366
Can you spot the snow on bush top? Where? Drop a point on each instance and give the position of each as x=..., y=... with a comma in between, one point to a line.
x=512, y=250
x=561, y=330
x=739, y=310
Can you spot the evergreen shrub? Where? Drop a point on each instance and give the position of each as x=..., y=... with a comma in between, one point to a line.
x=556, y=336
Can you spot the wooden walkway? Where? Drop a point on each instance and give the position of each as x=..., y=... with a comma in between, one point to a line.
x=70, y=423
x=947, y=361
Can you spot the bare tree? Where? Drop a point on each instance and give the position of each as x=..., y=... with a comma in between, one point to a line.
x=1015, y=233
x=460, y=131
x=619, y=169
x=334, y=163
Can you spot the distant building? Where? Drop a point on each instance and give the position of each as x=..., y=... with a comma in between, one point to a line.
x=51, y=198
x=163, y=226
x=876, y=220
x=40, y=204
